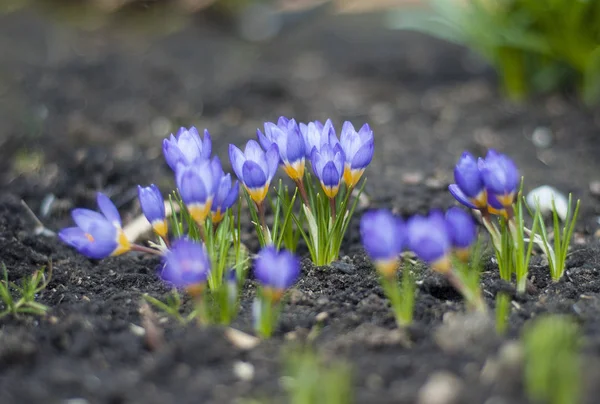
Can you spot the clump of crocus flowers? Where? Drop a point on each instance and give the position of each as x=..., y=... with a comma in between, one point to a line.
x=198, y=232
x=442, y=240
x=490, y=187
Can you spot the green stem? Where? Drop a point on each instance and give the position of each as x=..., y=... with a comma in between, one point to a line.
x=473, y=298
x=265, y=323
x=302, y=189
x=392, y=291
x=332, y=208
x=263, y=223
x=147, y=250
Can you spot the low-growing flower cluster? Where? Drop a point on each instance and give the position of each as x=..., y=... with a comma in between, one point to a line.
x=441, y=240
x=199, y=240
x=490, y=186
x=198, y=227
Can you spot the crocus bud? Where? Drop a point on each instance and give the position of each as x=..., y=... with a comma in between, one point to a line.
x=462, y=230
x=383, y=236
x=97, y=235
x=501, y=178
x=225, y=197
x=187, y=148
x=153, y=206
x=255, y=168
x=186, y=265
x=429, y=239
x=358, y=150
x=275, y=271
x=197, y=186
x=469, y=188
x=328, y=166
x=286, y=135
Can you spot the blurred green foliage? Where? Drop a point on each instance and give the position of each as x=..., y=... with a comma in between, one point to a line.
x=552, y=360
x=144, y=16
x=536, y=46
x=309, y=379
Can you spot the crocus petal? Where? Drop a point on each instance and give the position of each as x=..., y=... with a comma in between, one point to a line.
x=365, y=133
x=254, y=152
x=317, y=162
x=382, y=234
x=295, y=148
x=428, y=237
x=206, y=145
x=190, y=145
x=460, y=196
x=272, y=160
x=152, y=203
x=74, y=236
x=173, y=156
x=362, y=158
x=191, y=187
x=461, y=227
x=499, y=173
x=330, y=176
x=232, y=196
x=493, y=201
x=339, y=158
x=264, y=141
x=468, y=176
x=216, y=172
x=108, y=209
x=84, y=218
x=253, y=175
x=186, y=264
x=237, y=159
x=277, y=270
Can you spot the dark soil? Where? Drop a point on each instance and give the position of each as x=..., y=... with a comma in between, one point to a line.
x=86, y=111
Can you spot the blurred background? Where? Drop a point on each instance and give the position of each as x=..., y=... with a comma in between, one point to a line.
x=89, y=88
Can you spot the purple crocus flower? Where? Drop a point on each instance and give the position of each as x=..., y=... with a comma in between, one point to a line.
x=429, y=239
x=197, y=185
x=383, y=236
x=153, y=206
x=276, y=271
x=226, y=195
x=501, y=178
x=469, y=188
x=328, y=166
x=286, y=135
x=187, y=148
x=255, y=168
x=186, y=265
x=316, y=134
x=462, y=230
x=97, y=235
x=358, y=149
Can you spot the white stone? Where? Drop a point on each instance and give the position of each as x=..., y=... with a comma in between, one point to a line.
x=544, y=195
x=243, y=370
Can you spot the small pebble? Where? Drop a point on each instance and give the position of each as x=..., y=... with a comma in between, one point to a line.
x=240, y=339
x=296, y=296
x=595, y=188
x=544, y=195
x=344, y=267
x=441, y=388
x=412, y=178
x=137, y=330
x=435, y=183
x=322, y=316
x=243, y=370
x=542, y=137
x=76, y=401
